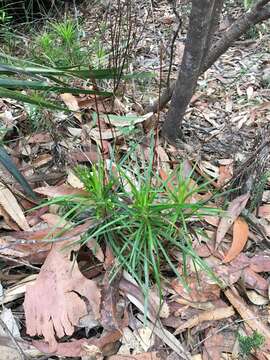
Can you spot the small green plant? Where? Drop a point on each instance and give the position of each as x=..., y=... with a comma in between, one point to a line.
x=251, y=343
x=248, y=4
x=59, y=45
x=4, y=17
x=6, y=36
x=143, y=218
x=67, y=31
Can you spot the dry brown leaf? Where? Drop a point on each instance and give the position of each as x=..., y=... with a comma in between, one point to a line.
x=61, y=190
x=254, y=281
x=72, y=103
x=163, y=158
x=240, y=238
x=264, y=211
x=41, y=160
x=134, y=294
x=11, y=206
x=54, y=304
x=103, y=105
x=83, y=347
x=212, y=315
x=256, y=299
x=196, y=293
x=74, y=181
x=8, y=223
x=84, y=156
x=260, y=263
x=163, y=309
x=234, y=210
x=246, y=313
x=9, y=349
x=40, y=138
x=207, y=168
x=8, y=249
x=213, y=347
x=35, y=253
x=225, y=174
x=106, y=134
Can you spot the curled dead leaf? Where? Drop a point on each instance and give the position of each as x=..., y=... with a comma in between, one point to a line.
x=234, y=210
x=240, y=238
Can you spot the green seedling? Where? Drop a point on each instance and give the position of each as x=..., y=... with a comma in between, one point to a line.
x=251, y=343
x=142, y=218
x=66, y=31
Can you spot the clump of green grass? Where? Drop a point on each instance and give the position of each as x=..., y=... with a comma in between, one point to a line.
x=59, y=45
x=251, y=343
x=141, y=217
x=5, y=18
x=248, y=4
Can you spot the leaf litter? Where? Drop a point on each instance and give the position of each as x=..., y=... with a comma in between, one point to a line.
x=71, y=306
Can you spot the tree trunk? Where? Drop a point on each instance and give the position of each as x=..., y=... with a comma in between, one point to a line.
x=193, y=59
x=257, y=14
x=238, y=28
x=214, y=24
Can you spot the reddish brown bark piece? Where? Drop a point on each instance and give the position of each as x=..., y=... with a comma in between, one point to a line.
x=54, y=304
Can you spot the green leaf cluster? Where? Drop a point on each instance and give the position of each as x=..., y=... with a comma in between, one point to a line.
x=144, y=219
x=250, y=343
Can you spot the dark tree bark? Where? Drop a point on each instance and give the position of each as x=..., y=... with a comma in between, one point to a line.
x=193, y=59
x=259, y=13
x=214, y=24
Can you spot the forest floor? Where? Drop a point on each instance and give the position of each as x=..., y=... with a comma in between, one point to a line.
x=62, y=304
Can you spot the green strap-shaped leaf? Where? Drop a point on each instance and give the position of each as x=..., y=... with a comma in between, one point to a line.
x=12, y=94
x=13, y=170
x=42, y=85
